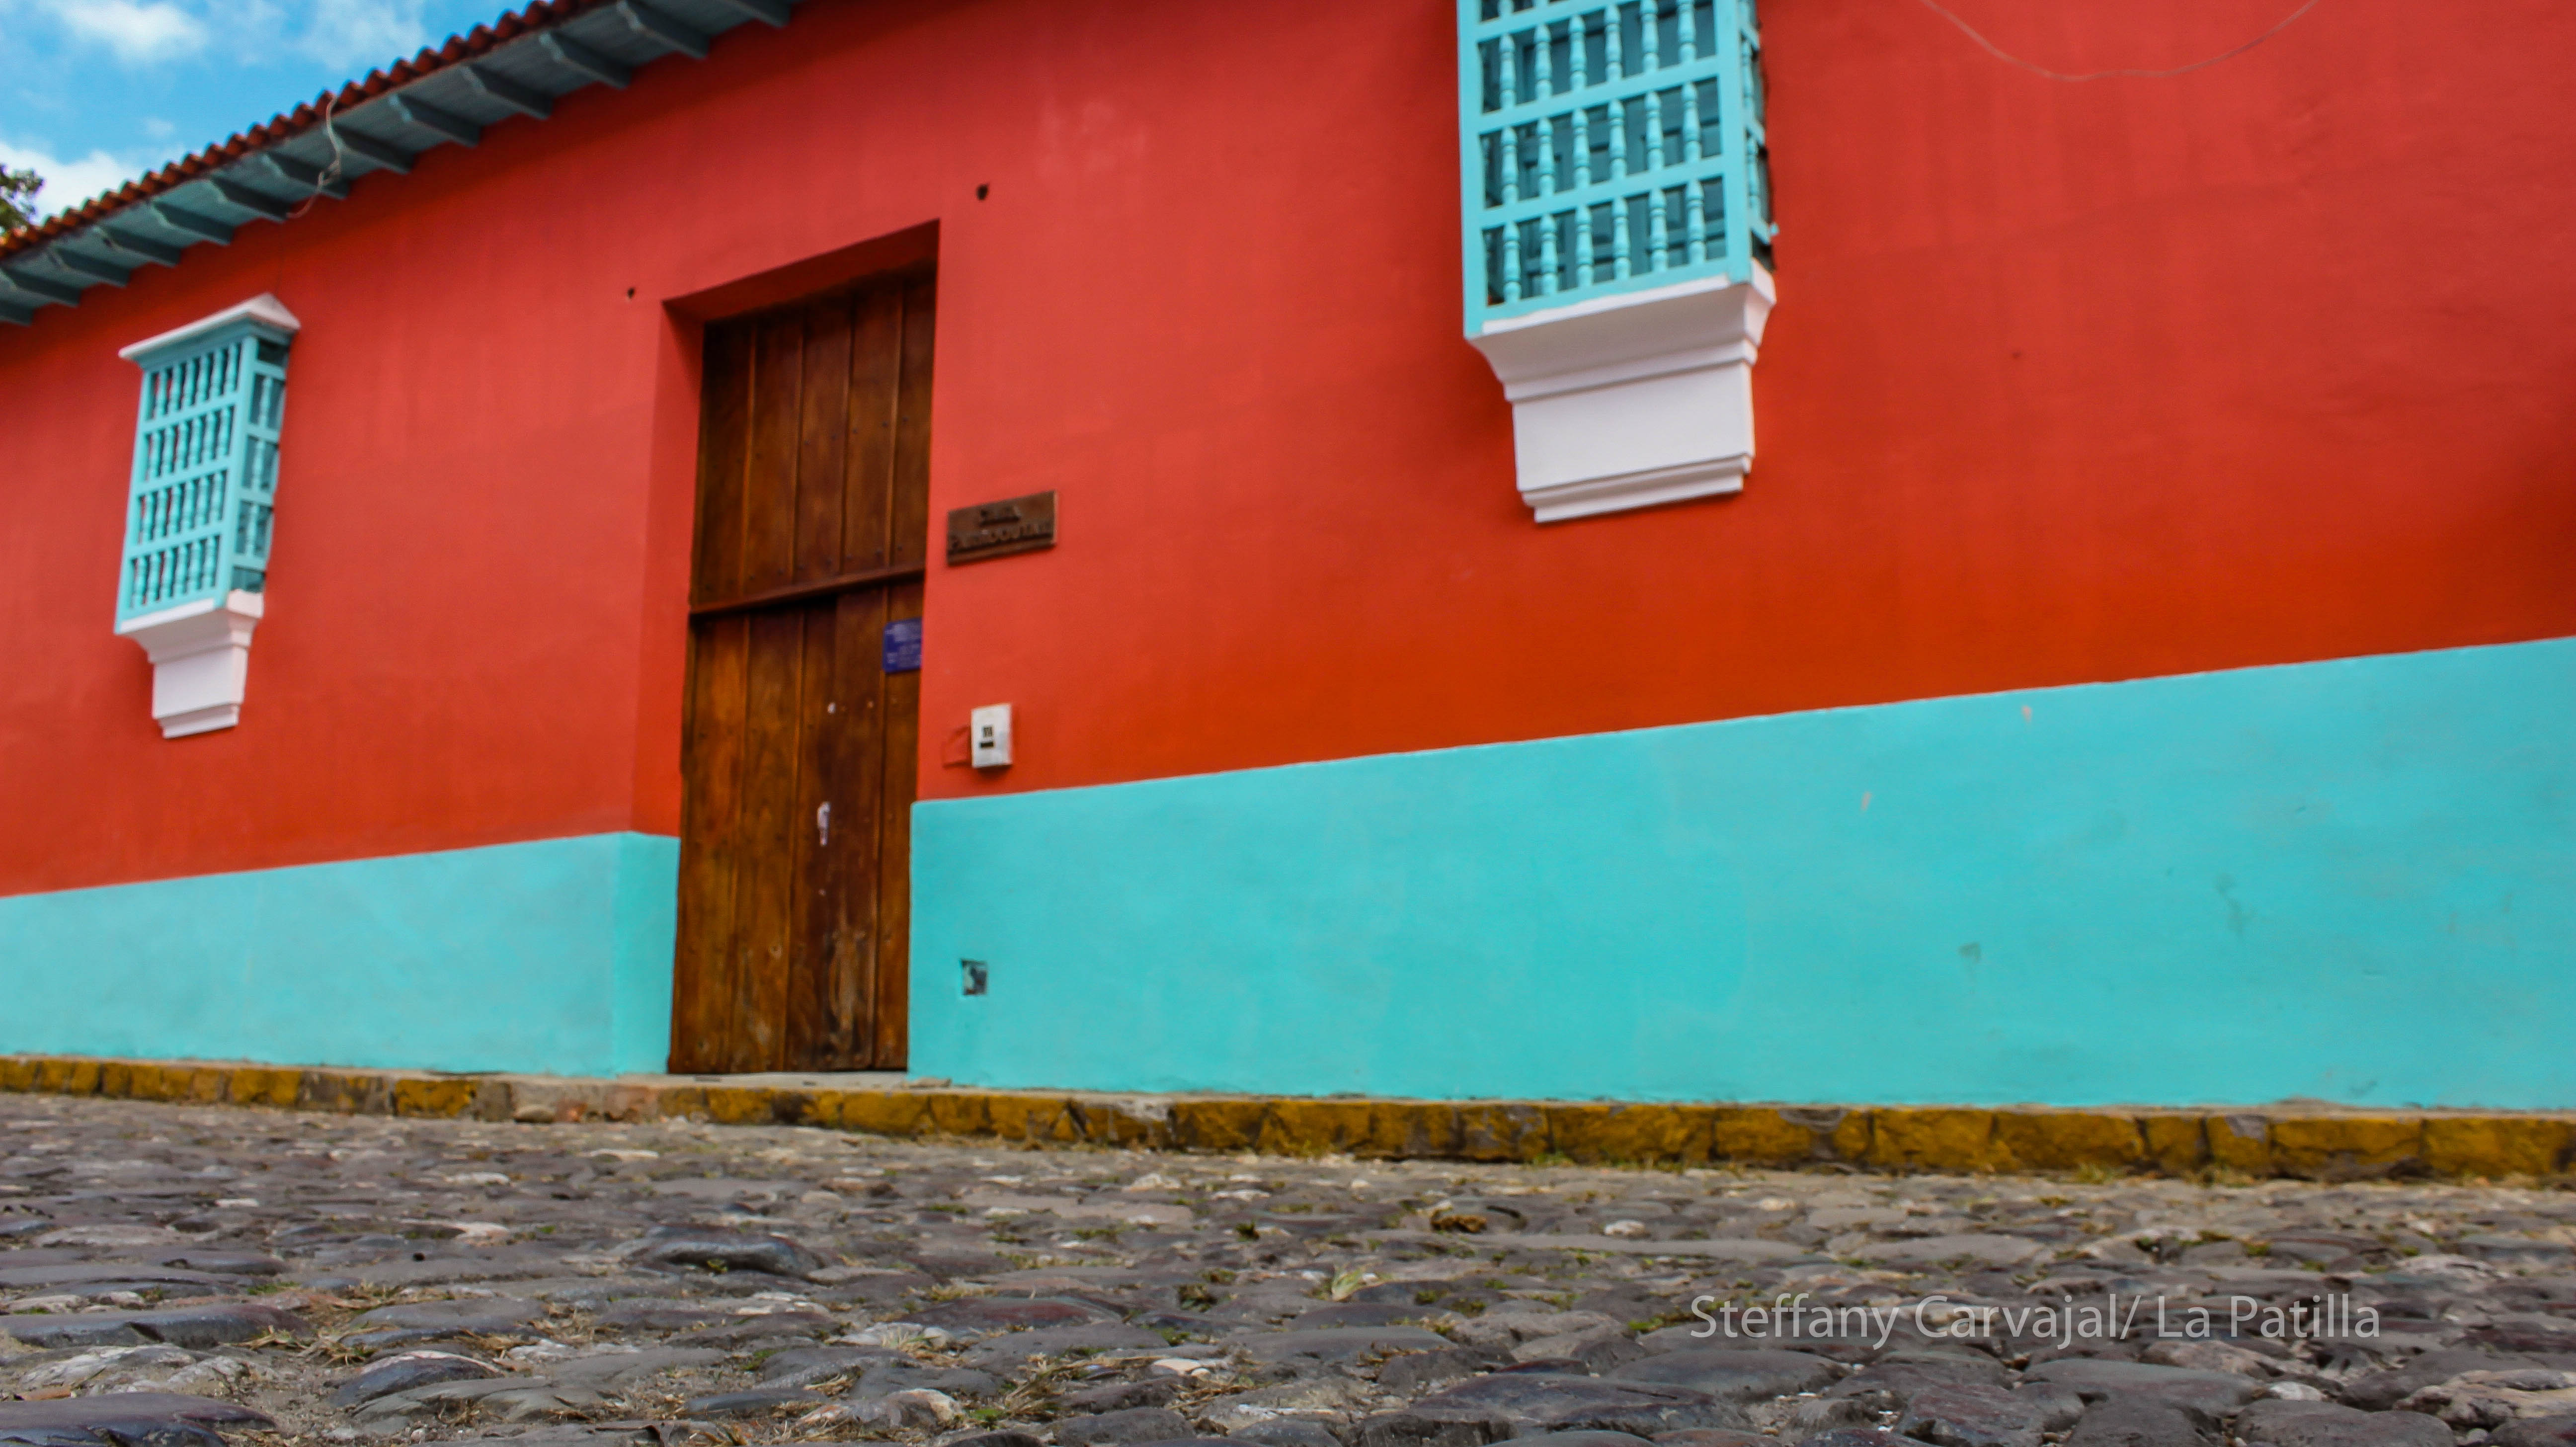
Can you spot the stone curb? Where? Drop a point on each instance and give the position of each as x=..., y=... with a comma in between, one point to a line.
x=2316, y=1143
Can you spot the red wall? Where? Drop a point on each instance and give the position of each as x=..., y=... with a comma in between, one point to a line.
x=2265, y=363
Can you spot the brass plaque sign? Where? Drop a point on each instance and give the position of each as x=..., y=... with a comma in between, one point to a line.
x=996, y=529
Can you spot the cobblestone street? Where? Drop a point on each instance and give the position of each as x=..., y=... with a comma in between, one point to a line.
x=174, y=1272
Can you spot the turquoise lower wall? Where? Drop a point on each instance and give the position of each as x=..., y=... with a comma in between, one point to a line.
x=2352, y=880
x=551, y=957
x=2348, y=880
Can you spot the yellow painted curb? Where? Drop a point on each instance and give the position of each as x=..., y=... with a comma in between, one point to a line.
x=2304, y=1141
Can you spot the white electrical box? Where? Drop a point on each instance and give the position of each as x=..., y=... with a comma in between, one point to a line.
x=989, y=728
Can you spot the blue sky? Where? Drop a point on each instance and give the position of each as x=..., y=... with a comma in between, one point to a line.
x=96, y=92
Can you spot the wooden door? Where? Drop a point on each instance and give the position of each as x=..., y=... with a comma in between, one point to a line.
x=798, y=747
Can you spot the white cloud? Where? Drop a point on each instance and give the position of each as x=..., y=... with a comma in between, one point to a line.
x=346, y=35
x=69, y=183
x=355, y=35
x=139, y=33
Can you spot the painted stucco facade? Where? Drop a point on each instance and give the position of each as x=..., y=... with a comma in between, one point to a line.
x=2218, y=420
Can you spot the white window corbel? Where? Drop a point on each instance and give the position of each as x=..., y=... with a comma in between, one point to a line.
x=1635, y=399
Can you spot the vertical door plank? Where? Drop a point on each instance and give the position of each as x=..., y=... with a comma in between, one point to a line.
x=769, y=533
x=723, y=426
x=711, y=741
x=876, y=382
x=823, y=438
x=767, y=876
x=841, y=999
x=821, y=842
x=892, y=982
x=910, y=526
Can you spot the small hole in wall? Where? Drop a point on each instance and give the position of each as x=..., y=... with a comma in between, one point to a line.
x=630, y=293
x=983, y=191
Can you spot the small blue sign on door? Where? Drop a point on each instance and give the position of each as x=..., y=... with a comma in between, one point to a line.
x=903, y=646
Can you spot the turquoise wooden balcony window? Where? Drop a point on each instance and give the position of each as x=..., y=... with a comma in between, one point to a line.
x=1608, y=147
x=204, y=488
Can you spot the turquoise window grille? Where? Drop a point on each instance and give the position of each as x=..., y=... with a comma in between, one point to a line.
x=205, y=467
x=1608, y=146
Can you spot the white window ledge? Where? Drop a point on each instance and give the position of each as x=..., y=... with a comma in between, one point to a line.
x=1634, y=400
x=264, y=307
x=200, y=656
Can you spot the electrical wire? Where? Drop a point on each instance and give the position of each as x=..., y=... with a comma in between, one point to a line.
x=329, y=174
x=2000, y=54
